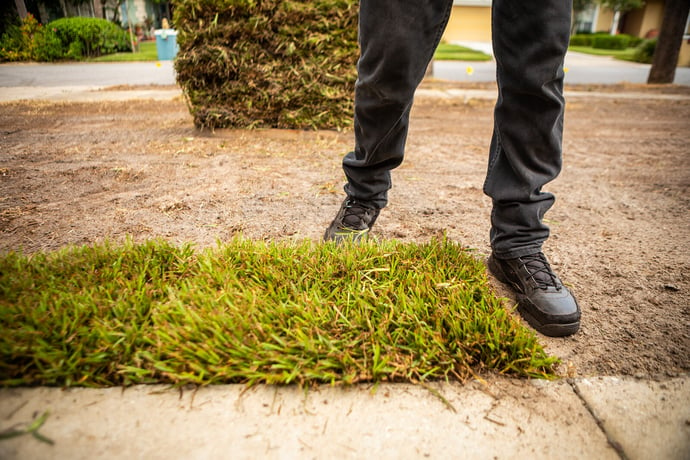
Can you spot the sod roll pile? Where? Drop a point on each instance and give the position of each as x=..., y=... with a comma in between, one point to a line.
x=267, y=63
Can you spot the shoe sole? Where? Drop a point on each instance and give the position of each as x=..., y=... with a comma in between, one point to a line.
x=550, y=329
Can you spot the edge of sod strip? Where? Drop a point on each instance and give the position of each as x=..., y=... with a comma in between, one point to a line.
x=256, y=312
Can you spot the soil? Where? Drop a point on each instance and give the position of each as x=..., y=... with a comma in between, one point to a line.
x=80, y=173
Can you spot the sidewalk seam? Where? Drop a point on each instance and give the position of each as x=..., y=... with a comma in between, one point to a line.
x=612, y=442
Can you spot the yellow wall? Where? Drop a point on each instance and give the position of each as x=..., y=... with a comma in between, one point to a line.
x=604, y=20
x=473, y=23
x=641, y=21
x=684, y=57
x=469, y=23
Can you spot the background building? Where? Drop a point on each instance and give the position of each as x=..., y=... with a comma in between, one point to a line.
x=470, y=23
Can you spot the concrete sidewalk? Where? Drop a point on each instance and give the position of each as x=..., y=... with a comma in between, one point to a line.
x=596, y=418
x=581, y=69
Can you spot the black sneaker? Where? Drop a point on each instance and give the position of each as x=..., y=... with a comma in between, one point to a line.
x=353, y=222
x=543, y=301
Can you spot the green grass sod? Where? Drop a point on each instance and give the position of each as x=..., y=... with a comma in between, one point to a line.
x=256, y=312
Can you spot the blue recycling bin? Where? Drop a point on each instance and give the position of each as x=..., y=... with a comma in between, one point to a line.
x=166, y=44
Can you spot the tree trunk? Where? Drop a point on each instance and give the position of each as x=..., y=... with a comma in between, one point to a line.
x=670, y=39
x=64, y=8
x=21, y=8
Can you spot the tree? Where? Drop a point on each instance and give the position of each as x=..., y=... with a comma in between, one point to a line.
x=670, y=39
x=619, y=7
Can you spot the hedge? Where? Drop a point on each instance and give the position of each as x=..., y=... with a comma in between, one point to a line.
x=89, y=37
x=270, y=63
x=68, y=38
x=581, y=40
x=604, y=40
x=644, y=53
x=610, y=42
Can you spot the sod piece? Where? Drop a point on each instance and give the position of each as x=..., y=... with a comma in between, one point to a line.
x=269, y=63
x=255, y=312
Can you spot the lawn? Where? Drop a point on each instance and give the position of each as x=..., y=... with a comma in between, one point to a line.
x=147, y=52
x=449, y=52
x=626, y=54
x=255, y=312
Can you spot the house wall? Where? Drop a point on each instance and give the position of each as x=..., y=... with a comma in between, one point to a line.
x=684, y=57
x=470, y=20
x=645, y=20
x=604, y=20
x=469, y=23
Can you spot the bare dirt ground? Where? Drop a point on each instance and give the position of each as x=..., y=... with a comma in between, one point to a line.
x=75, y=173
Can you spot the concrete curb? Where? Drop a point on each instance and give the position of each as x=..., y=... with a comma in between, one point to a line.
x=603, y=417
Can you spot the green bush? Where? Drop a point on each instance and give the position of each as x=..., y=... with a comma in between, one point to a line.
x=610, y=42
x=66, y=38
x=18, y=42
x=633, y=41
x=274, y=63
x=89, y=37
x=48, y=46
x=11, y=44
x=645, y=51
x=581, y=40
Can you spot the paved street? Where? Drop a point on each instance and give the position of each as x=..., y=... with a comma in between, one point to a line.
x=94, y=75
x=581, y=69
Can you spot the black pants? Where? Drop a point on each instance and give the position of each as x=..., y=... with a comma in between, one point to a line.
x=530, y=39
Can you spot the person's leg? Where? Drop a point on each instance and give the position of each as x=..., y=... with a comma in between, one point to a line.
x=530, y=40
x=397, y=40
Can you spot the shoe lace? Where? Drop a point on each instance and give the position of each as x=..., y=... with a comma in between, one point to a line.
x=356, y=215
x=539, y=271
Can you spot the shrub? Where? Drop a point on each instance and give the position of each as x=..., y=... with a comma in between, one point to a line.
x=633, y=41
x=71, y=38
x=48, y=46
x=12, y=46
x=89, y=37
x=581, y=40
x=274, y=63
x=610, y=42
x=645, y=51
x=18, y=42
